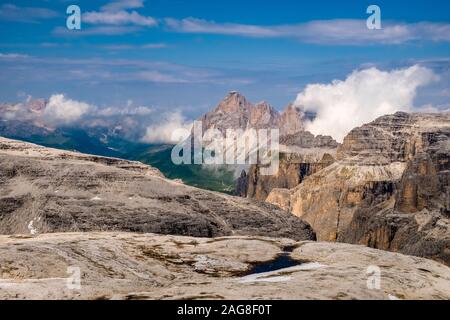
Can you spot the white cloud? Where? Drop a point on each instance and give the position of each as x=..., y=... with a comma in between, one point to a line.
x=163, y=132
x=333, y=32
x=94, y=31
x=65, y=111
x=361, y=98
x=159, y=77
x=123, y=4
x=193, y=25
x=134, y=47
x=118, y=18
x=117, y=13
x=11, y=12
x=129, y=110
x=13, y=56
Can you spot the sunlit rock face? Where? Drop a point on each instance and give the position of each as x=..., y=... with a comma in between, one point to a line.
x=389, y=187
x=292, y=120
x=236, y=112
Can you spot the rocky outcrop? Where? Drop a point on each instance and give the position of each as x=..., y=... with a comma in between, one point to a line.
x=388, y=189
x=291, y=120
x=301, y=154
x=305, y=139
x=263, y=116
x=242, y=185
x=416, y=219
x=44, y=190
x=420, y=186
x=148, y=266
x=293, y=169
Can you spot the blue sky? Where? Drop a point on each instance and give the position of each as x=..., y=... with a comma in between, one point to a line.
x=186, y=55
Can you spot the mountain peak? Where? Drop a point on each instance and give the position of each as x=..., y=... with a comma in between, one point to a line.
x=292, y=120
x=236, y=112
x=234, y=102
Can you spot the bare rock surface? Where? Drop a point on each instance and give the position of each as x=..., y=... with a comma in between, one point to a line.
x=45, y=190
x=388, y=189
x=149, y=266
x=294, y=167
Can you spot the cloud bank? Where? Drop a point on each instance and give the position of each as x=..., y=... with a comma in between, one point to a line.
x=62, y=110
x=163, y=132
x=362, y=97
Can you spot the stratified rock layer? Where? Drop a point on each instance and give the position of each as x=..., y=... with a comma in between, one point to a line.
x=293, y=169
x=389, y=188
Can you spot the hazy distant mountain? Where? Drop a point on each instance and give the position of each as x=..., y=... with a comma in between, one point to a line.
x=117, y=137
x=236, y=112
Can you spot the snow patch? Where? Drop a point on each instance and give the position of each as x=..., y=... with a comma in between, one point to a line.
x=32, y=229
x=273, y=276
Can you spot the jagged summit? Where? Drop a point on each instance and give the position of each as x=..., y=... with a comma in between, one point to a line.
x=234, y=102
x=236, y=112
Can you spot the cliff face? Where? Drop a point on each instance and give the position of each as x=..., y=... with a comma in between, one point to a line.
x=416, y=219
x=292, y=120
x=388, y=188
x=293, y=169
x=301, y=154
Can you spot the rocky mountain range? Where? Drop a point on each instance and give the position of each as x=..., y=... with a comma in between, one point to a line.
x=236, y=112
x=62, y=210
x=388, y=187
x=137, y=233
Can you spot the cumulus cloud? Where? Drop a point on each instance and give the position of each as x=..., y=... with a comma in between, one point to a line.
x=164, y=132
x=62, y=110
x=362, y=97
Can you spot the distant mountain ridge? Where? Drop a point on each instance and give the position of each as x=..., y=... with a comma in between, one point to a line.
x=236, y=112
x=111, y=137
